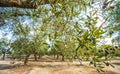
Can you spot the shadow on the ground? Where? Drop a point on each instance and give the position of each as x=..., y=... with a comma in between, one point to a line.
x=46, y=60
x=59, y=65
x=116, y=63
x=6, y=66
x=10, y=66
x=50, y=66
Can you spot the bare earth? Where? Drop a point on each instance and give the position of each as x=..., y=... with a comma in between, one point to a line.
x=53, y=67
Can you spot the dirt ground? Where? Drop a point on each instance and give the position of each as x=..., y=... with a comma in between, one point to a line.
x=50, y=66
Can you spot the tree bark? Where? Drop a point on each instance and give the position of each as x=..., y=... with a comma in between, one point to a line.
x=26, y=59
x=22, y=4
x=3, y=58
x=39, y=56
x=35, y=57
x=57, y=56
x=63, y=59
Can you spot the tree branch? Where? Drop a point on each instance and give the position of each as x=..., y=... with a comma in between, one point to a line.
x=21, y=4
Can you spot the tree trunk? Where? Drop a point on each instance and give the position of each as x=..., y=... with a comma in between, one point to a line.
x=26, y=59
x=3, y=58
x=63, y=57
x=80, y=60
x=54, y=56
x=35, y=57
x=57, y=56
x=39, y=56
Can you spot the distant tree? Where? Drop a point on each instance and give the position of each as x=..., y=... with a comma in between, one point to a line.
x=4, y=47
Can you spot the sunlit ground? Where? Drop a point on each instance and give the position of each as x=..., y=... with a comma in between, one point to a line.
x=49, y=65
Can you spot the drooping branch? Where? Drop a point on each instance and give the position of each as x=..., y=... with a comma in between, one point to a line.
x=22, y=3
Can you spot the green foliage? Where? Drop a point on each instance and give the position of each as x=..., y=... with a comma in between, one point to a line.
x=113, y=12
x=71, y=28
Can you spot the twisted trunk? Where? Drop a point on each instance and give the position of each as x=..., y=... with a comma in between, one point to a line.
x=3, y=57
x=26, y=59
